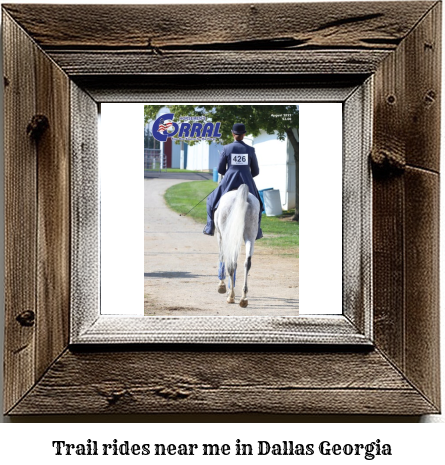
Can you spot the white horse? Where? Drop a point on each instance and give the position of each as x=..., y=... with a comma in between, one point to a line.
x=236, y=220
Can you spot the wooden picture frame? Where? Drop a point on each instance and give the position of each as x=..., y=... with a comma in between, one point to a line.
x=59, y=68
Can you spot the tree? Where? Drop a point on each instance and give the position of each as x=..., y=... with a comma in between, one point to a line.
x=269, y=118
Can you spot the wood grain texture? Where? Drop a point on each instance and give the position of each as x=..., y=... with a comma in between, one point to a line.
x=399, y=42
x=406, y=222
x=149, y=39
x=423, y=91
x=117, y=62
x=422, y=284
x=223, y=382
x=274, y=25
x=408, y=97
x=201, y=329
x=20, y=212
x=53, y=235
x=388, y=268
x=388, y=201
x=357, y=209
x=85, y=208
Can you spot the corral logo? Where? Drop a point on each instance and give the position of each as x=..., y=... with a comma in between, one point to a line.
x=190, y=128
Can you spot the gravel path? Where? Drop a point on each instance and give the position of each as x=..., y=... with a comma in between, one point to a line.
x=181, y=268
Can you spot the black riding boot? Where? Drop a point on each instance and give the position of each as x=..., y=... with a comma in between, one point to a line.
x=209, y=228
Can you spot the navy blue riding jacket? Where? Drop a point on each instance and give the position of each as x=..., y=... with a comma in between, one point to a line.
x=239, y=165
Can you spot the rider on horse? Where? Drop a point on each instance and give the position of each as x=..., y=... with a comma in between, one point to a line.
x=239, y=164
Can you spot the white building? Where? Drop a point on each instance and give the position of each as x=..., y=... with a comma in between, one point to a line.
x=275, y=158
x=277, y=166
x=176, y=155
x=203, y=156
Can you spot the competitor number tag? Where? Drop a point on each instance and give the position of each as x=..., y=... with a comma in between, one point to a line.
x=239, y=159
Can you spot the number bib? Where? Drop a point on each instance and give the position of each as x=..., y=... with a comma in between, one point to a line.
x=240, y=159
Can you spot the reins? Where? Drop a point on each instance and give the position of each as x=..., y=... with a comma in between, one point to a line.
x=185, y=214
x=196, y=204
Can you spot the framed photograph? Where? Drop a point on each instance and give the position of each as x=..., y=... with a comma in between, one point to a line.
x=97, y=320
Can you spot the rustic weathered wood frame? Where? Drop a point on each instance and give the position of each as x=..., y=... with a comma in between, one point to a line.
x=80, y=55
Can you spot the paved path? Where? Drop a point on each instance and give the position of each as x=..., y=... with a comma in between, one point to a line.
x=181, y=268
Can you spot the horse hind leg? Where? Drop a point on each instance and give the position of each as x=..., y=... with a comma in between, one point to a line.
x=244, y=302
x=247, y=265
x=222, y=276
x=231, y=294
x=221, y=269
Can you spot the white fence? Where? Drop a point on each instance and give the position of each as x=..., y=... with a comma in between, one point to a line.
x=154, y=160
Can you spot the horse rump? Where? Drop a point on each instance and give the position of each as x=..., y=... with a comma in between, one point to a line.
x=233, y=229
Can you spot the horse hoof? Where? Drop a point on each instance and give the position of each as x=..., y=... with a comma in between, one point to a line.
x=230, y=300
x=222, y=289
x=243, y=303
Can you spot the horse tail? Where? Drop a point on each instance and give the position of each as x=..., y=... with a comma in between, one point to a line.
x=234, y=229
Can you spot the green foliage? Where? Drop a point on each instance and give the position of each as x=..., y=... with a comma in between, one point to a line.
x=255, y=117
x=279, y=231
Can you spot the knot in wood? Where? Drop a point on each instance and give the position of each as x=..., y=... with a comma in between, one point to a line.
x=430, y=97
x=114, y=397
x=37, y=126
x=387, y=163
x=26, y=318
x=172, y=393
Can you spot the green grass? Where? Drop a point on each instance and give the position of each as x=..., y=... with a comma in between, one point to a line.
x=279, y=231
x=177, y=170
x=184, y=196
